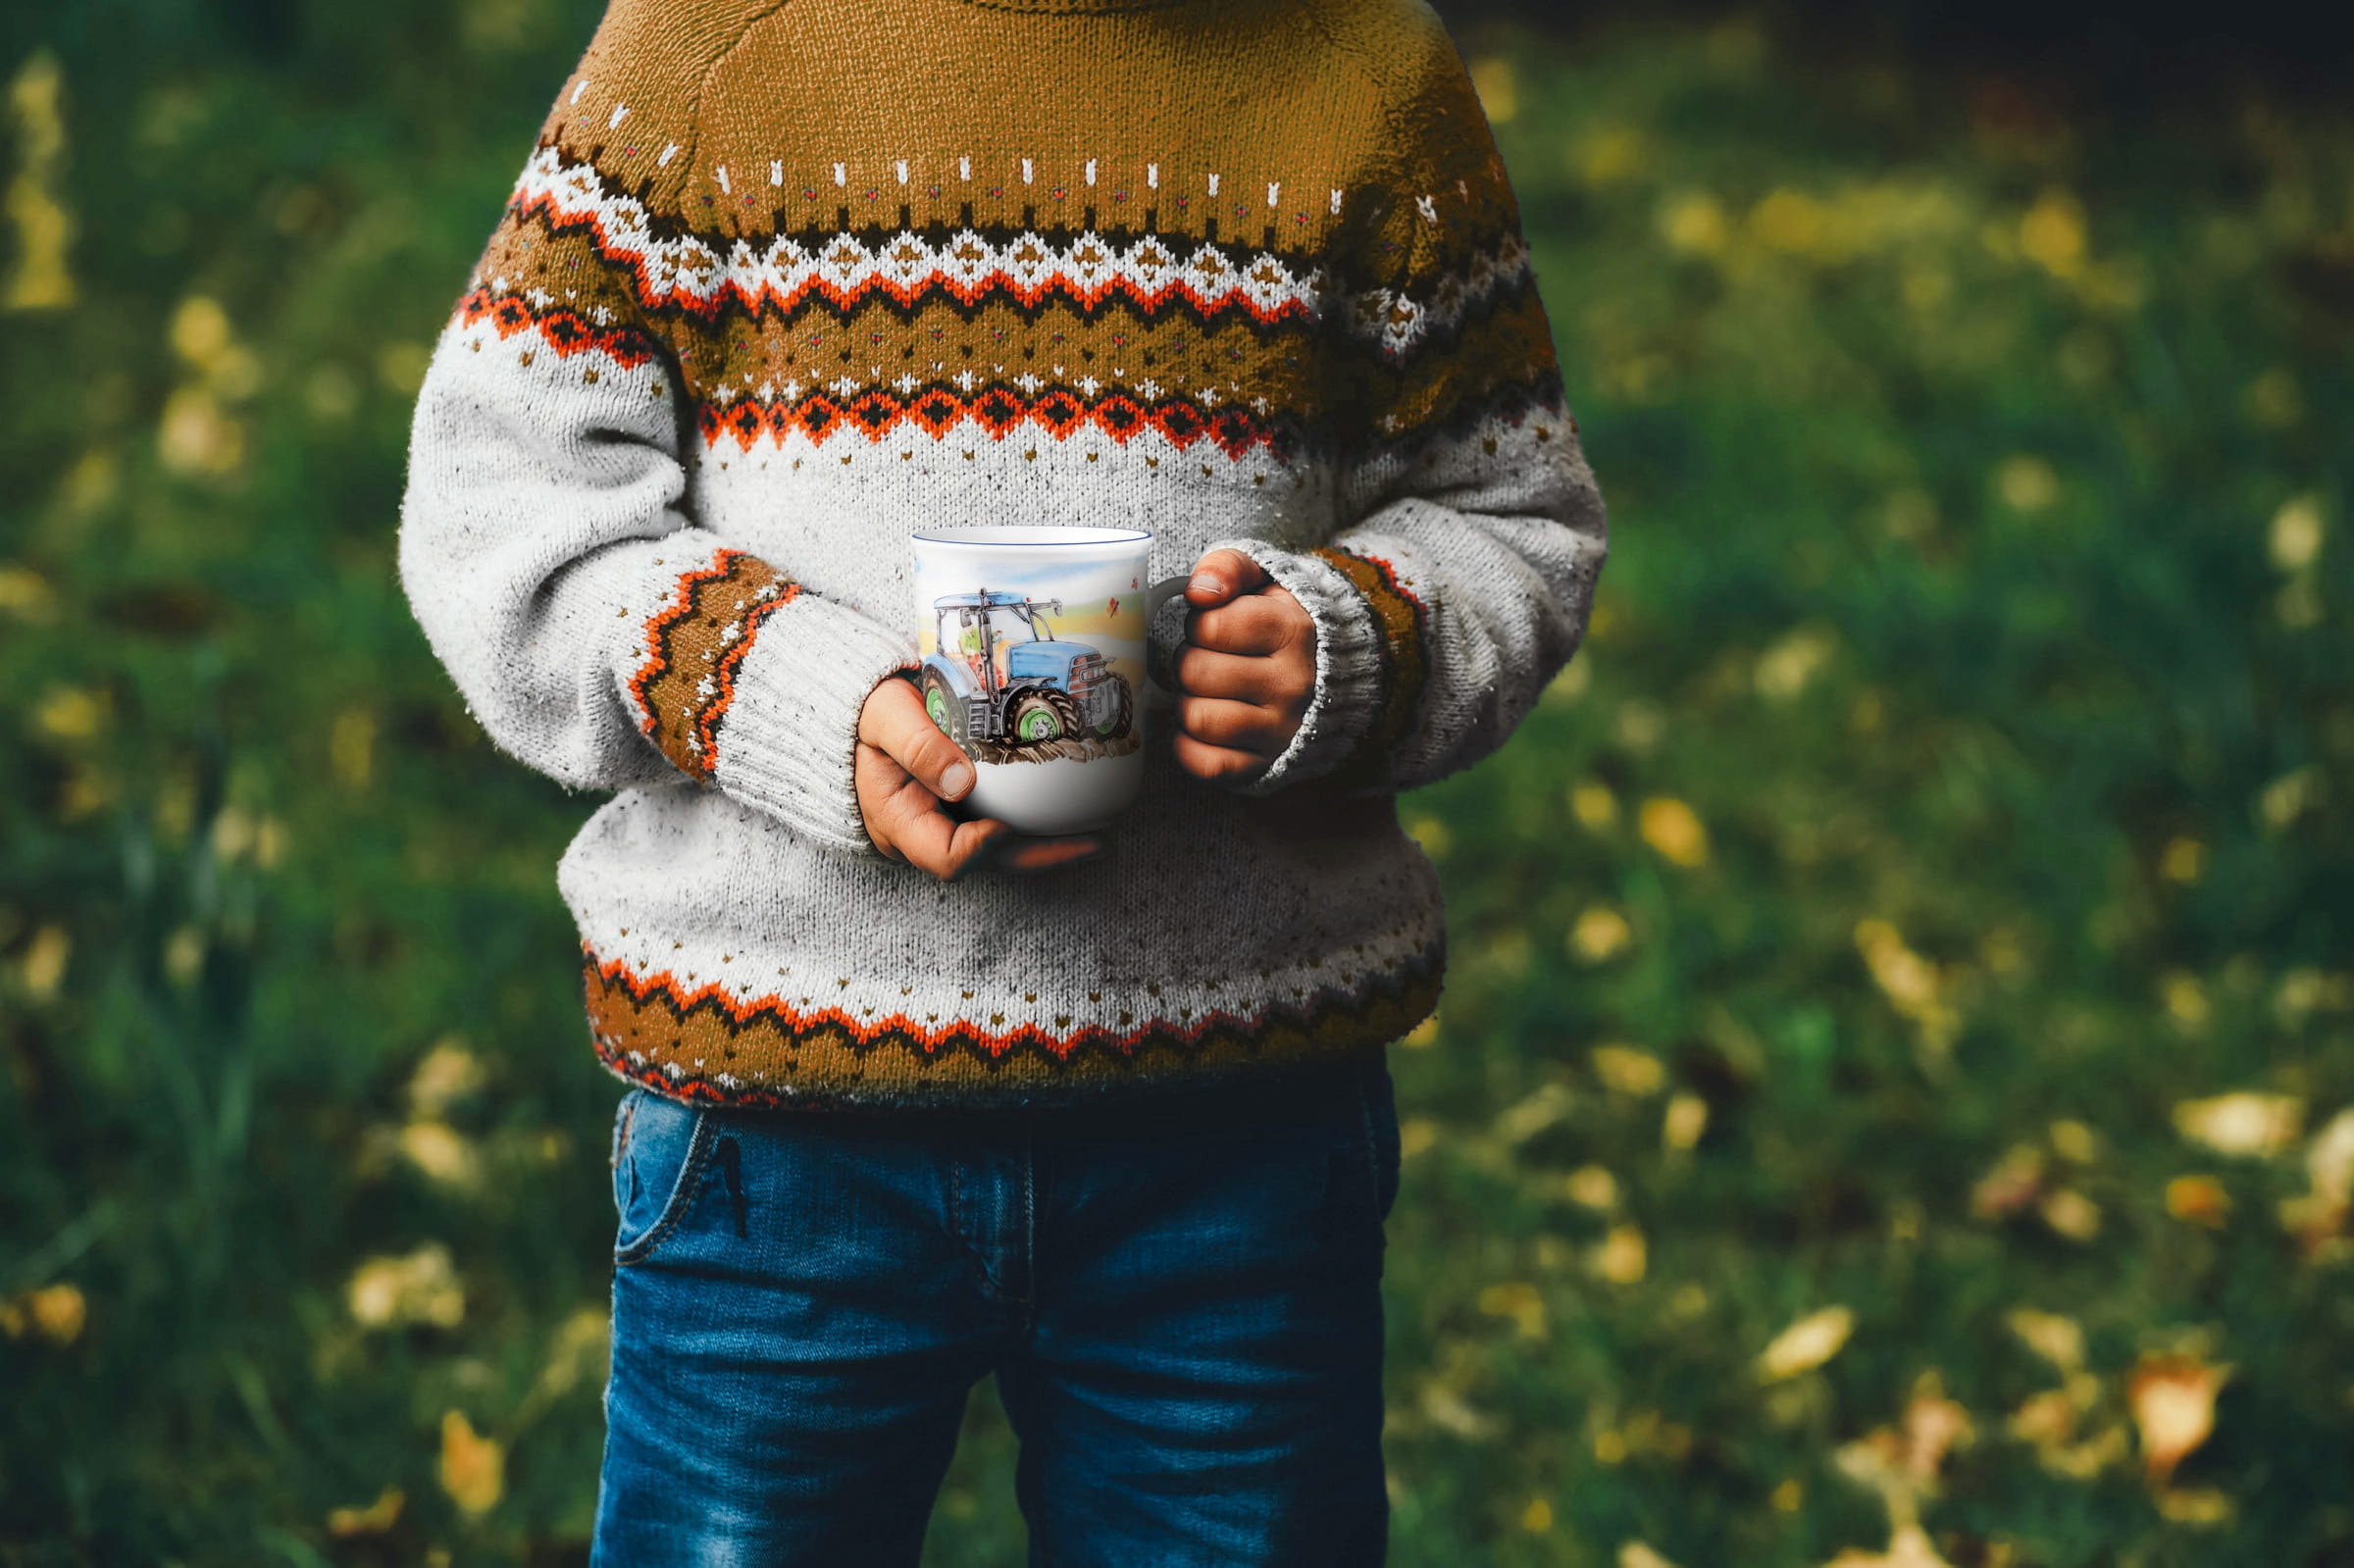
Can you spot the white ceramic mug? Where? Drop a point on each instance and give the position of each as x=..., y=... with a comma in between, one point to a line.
x=1034, y=662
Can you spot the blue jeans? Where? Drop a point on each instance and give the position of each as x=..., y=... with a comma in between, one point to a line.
x=1182, y=1309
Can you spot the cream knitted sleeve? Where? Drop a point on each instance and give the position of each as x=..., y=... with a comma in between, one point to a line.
x=1462, y=574
x=596, y=630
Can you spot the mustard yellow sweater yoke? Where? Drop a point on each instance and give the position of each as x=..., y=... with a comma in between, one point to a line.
x=783, y=282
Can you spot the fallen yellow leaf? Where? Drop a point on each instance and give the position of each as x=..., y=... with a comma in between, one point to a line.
x=1497, y=84
x=2071, y=1214
x=2072, y=1139
x=2027, y=484
x=473, y=1467
x=2199, y=1200
x=2317, y=1217
x=1623, y=1256
x=2184, y=860
x=1596, y=809
x=421, y=1286
x=446, y=1074
x=1519, y=1301
x=1674, y=830
x=55, y=1312
x=1908, y=1548
x=1783, y=670
x=377, y=1517
x=2244, y=1124
x=441, y=1152
x=59, y=1312
x=2173, y=1399
x=2058, y=1340
x=1932, y=1424
x=1592, y=1186
x=2015, y=1182
x=1524, y=1119
x=1807, y=1344
x=1432, y=834
x=1448, y=1409
x=2295, y=538
x=1686, y=1120
x=1600, y=934
x=44, y=963
x=72, y=713
x=2205, y=1506
x=1914, y=986
x=1628, y=1070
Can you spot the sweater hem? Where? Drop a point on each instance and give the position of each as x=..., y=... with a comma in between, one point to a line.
x=706, y=1048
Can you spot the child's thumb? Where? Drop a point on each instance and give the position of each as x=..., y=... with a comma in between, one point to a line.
x=1222, y=575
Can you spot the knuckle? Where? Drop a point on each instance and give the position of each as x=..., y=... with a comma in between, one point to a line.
x=933, y=753
x=908, y=805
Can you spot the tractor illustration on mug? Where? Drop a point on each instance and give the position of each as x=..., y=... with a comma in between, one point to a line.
x=994, y=693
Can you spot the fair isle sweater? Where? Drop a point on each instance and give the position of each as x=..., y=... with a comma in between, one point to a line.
x=784, y=281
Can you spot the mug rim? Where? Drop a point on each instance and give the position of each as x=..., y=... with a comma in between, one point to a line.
x=994, y=535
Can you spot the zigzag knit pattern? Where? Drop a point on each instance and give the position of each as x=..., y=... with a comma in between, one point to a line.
x=777, y=285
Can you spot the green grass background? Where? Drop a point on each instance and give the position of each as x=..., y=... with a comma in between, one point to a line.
x=1958, y=779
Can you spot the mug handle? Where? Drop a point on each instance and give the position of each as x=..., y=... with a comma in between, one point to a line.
x=1159, y=594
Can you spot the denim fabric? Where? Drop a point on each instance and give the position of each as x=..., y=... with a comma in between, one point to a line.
x=1182, y=1311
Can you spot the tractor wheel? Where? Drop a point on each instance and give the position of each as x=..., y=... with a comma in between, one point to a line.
x=1123, y=710
x=1042, y=715
x=945, y=706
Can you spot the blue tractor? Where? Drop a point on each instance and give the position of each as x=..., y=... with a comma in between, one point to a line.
x=985, y=686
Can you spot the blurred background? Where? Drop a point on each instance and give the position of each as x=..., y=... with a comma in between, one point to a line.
x=1893, y=1103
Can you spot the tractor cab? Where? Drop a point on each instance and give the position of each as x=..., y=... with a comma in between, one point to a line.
x=996, y=684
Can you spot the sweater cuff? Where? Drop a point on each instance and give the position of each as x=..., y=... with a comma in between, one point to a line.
x=1349, y=669
x=789, y=740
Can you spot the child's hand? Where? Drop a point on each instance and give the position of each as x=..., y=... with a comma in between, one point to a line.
x=1247, y=669
x=906, y=768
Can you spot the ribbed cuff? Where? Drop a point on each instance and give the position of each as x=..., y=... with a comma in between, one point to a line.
x=1348, y=664
x=789, y=740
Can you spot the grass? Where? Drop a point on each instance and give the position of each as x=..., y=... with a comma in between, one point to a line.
x=1900, y=970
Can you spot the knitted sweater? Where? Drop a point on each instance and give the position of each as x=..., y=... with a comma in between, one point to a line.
x=784, y=281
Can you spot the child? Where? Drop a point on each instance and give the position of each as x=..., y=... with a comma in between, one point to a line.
x=914, y=1101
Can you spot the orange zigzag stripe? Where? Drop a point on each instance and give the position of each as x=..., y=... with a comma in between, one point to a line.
x=682, y=604
x=702, y=759
x=937, y=1040
x=707, y=728
x=565, y=331
x=1405, y=646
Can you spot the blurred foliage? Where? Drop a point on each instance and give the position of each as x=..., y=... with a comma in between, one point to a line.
x=1894, y=1099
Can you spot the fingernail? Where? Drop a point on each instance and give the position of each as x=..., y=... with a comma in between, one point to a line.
x=1206, y=582
x=958, y=779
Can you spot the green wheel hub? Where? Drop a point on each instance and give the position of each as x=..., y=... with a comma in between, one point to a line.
x=1039, y=725
x=937, y=706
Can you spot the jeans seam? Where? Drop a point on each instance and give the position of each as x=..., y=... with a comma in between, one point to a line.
x=1029, y=1296
x=621, y=1134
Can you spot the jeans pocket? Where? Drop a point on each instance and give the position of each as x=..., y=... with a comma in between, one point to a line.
x=659, y=1147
